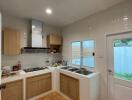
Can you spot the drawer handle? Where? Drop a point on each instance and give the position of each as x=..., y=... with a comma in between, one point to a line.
x=2, y=86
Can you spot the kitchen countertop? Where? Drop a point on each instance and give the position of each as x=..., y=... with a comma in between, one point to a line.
x=22, y=74
x=77, y=75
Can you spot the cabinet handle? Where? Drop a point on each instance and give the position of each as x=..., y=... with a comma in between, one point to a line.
x=2, y=86
x=110, y=72
x=93, y=54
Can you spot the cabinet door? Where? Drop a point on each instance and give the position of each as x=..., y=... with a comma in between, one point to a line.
x=55, y=40
x=38, y=84
x=69, y=86
x=64, y=88
x=13, y=91
x=11, y=42
x=32, y=89
x=74, y=89
x=45, y=84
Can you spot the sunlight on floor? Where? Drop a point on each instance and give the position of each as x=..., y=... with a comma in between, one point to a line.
x=53, y=96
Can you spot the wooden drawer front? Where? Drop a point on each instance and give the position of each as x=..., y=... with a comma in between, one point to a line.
x=13, y=91
x=38, y=84
x=69, y=86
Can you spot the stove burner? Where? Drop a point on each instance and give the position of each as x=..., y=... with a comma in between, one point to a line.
x=34, y=69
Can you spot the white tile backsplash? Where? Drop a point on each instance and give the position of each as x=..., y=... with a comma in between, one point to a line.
x=30, y=60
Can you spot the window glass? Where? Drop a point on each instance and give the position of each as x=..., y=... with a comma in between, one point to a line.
x=88, y=53
x=123, y=59
x=76, y=53
x=83, y=53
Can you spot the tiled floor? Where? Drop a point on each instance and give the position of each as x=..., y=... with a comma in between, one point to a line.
x=53, y=96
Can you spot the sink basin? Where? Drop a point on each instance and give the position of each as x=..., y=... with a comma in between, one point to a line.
x=73, y=69
x=77, y=70
x=70, y=68
x=84, y=72
x=65, y=68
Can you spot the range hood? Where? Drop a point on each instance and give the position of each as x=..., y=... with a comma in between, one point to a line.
x=35, y=39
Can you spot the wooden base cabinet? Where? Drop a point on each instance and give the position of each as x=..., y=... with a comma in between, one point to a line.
x=69, y=86
x=13, y=91
x=38, y=84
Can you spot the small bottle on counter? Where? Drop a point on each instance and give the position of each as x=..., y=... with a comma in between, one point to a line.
x=17, y=66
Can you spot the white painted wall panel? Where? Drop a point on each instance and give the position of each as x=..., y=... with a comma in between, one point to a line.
x=96, y=27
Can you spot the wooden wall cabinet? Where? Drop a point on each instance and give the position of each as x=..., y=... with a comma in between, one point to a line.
x=69, y=86
x=38, y=84
x=54, y=42
x=11, y=41
x=54, y=39
x=13, y=91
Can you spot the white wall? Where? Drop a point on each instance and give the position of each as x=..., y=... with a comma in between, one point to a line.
x=96, y=27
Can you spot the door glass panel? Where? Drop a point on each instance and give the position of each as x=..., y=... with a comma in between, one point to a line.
x=123, y=59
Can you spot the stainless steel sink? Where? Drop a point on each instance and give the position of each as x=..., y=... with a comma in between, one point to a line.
x=70, y=68
x=73, y=69
x=65, y=68
x=84, y=72
x=77, y=70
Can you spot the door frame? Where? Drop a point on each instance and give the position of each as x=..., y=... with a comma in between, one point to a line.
x=0, y=49
x=107, y=66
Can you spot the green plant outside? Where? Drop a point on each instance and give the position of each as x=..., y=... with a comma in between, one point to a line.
x=123, y=76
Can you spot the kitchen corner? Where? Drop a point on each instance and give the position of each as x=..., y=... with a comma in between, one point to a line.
x=86, y=82
x=66, y=49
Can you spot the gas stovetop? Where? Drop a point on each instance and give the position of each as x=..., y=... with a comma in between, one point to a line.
x=35, y=69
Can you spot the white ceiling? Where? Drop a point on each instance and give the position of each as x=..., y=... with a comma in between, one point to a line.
x=64, y=11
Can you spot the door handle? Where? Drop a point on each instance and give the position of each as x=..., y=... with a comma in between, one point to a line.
x=93, y=54
x=110, y=71
x=2, y=86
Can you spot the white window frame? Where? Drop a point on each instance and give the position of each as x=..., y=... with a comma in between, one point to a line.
x=81, y=55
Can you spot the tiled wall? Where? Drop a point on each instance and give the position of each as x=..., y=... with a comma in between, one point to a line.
x=31, y=60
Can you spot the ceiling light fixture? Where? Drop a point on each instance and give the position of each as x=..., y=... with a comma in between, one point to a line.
x=125, y=18
x=48, y=11
x=33, y=26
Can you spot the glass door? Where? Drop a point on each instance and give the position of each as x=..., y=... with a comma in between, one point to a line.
x=123, y=58
x=119, y=61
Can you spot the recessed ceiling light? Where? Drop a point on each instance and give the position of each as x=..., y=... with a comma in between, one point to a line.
x=125, y=18
x=25, y=33
x=48, y=11
x=33, y=26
